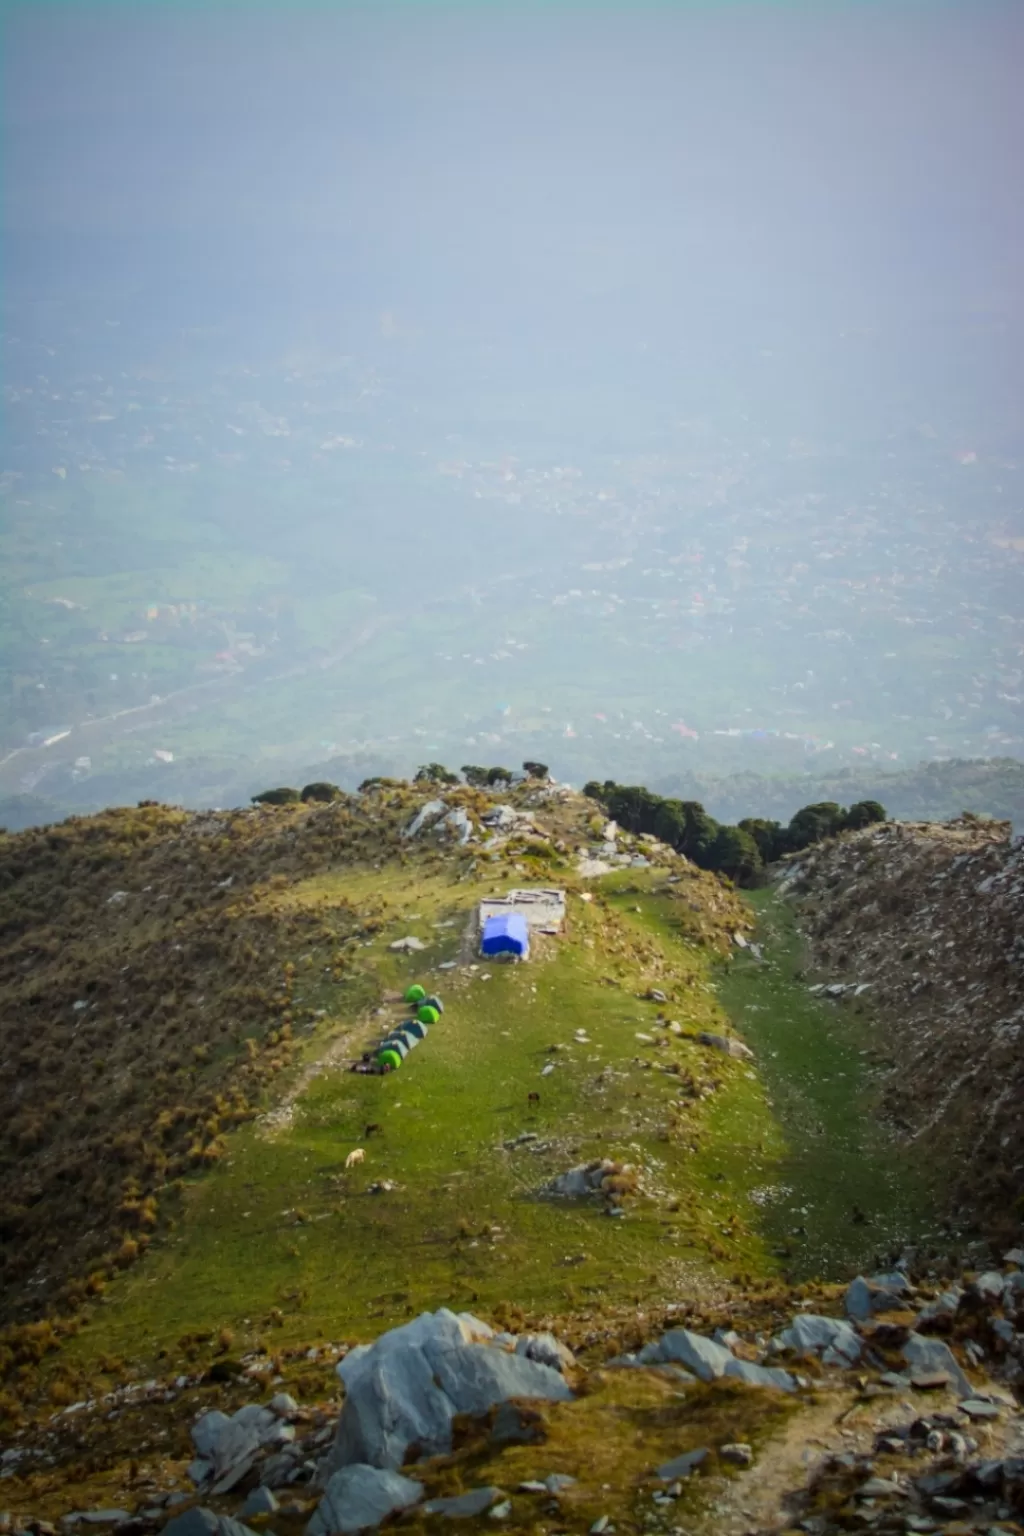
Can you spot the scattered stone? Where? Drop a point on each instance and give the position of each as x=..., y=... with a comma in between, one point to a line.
x=931, y=1354
x=259, y=1502
x=207, y=1430
x=409, y=945
x=945, y=1505
x=545, y=1349
x=709, y=1361
x=464, y=1505
x=601, y=1525
x=879, y=1293
x=584, y=1179
x=831, y=1337
x=738, y=1453
x=930, y=1381
x=557, y=1482
x=359, y=1497
x=976, y=1408
x=502, y=1511
x=682, y=1466
x=425, y=816
x=722, y=1043
x=204, y=1522
x=656, y=996
x=882, y=1488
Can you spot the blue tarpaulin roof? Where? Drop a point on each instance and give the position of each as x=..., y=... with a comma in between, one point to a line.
x=507, y=934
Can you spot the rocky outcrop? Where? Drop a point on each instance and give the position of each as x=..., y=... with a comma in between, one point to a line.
x=404, y=1391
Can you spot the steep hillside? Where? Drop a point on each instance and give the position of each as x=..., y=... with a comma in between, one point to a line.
x=930, y=919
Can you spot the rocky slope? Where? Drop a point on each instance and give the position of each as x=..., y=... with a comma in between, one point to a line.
x=929, y=918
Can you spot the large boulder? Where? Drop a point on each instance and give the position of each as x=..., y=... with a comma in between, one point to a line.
x=404, y=1391
x=360, y=1497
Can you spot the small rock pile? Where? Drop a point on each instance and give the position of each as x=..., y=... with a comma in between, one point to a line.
x=930, y=916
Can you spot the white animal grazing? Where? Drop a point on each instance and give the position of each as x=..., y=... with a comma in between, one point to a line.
x=358, y=1156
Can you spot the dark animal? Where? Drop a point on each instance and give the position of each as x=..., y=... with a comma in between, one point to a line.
x=374, y=1129
x=533, y=1098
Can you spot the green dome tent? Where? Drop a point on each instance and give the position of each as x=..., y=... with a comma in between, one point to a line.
x=389, y=1058
x=415, y=993
x=427, y=1015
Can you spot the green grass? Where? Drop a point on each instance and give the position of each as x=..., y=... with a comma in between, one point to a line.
x=814, y=1058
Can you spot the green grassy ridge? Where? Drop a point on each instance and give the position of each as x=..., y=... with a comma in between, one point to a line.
x=279, y=1225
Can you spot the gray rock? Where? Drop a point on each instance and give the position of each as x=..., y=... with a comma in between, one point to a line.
x=359, y=1497
x=709, y=1361
x=465, y=1504
x=204, y=1522
x=409, y=945
x=739, y=1453
x=976, y=1408
x=409, y=1386
x=545, y=1349
x=1014, y=1256
x=945, y=1505
x=831, y=1337
x=585, y=1179
x=989, y=1286
x=259, y=1502
x=558, y=1482
x=284, y=1405
x=425, y=816
x=706, y=1359
x=930, y=1354
x=502, y=1511
x=253, y=1416
x=277, y=1470
x=882, y=1488
x=207, y=1431
x=772, y=1376
x=880, y=1293
x=100, y=1516
x=729, y=1047
x=682, y=1466
x=944, y=1305
x=199, y=1470
x=278, y=1435
x=459, y=824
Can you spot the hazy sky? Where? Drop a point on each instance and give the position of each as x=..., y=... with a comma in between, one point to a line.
x=608, y=170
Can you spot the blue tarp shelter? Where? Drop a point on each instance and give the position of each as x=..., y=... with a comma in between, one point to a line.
x=506, y=935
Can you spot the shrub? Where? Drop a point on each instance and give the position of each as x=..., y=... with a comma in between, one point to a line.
x=281, y=796
x=321, y=790
x=435, y=773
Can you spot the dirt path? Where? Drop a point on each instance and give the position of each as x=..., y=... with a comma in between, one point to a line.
x=338, y=1049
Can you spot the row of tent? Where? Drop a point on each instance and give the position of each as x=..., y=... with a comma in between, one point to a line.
x=405, y=1037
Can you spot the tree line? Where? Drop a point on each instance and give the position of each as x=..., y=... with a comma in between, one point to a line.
x=740, y=851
